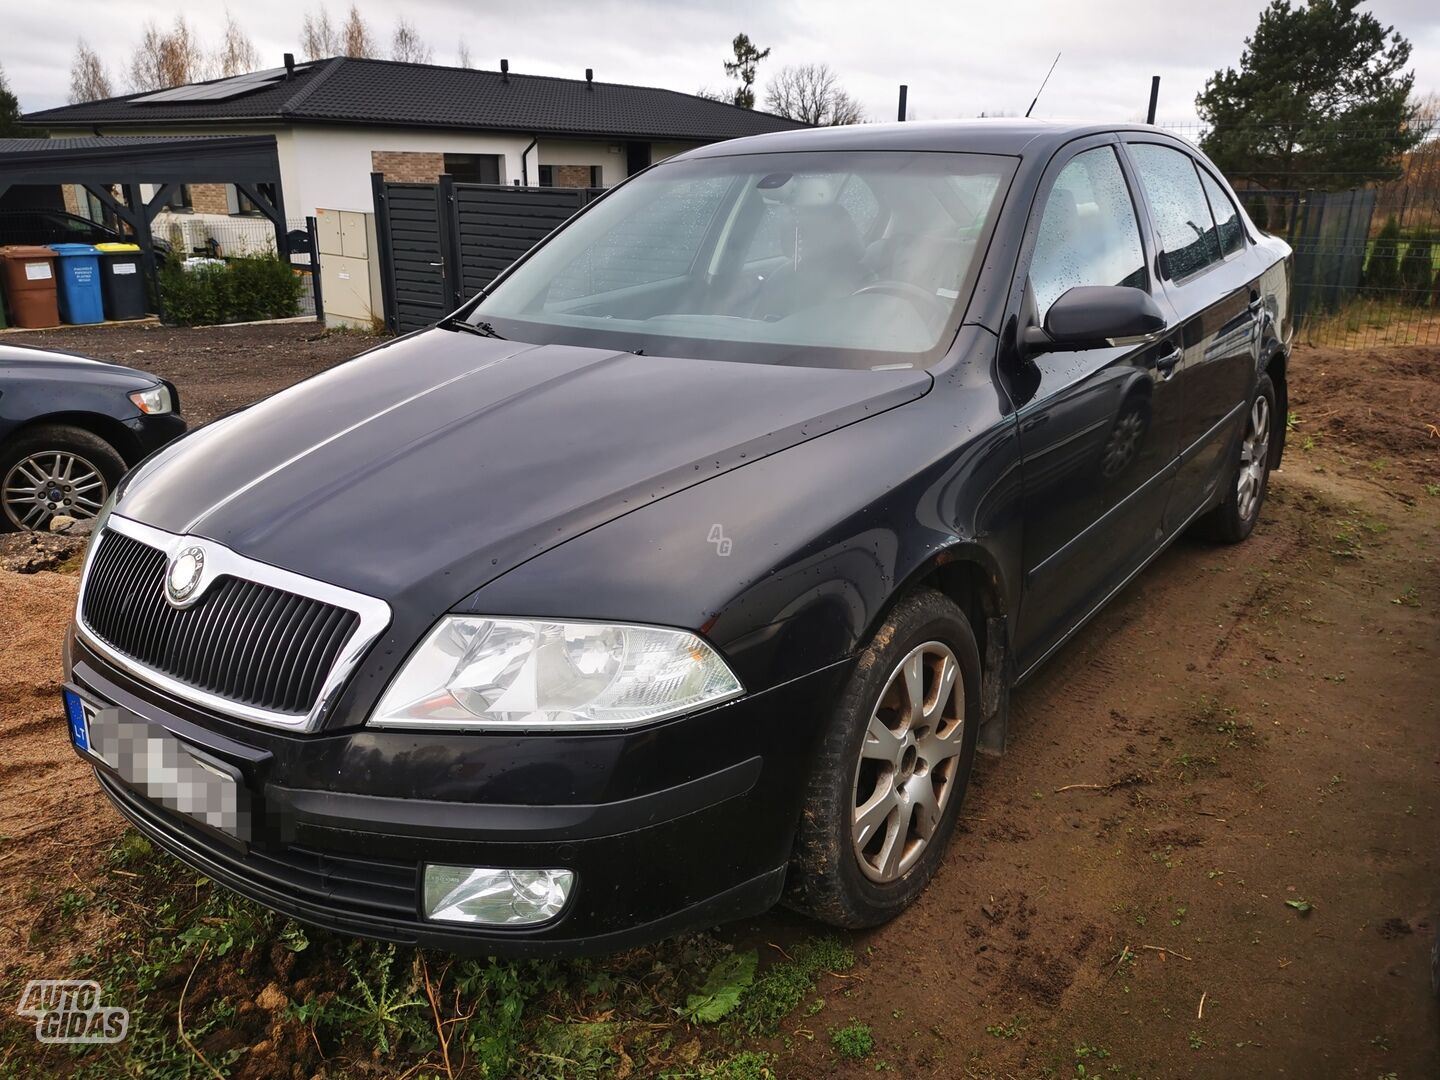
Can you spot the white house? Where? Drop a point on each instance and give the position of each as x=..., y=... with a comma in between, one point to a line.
x=336, y=121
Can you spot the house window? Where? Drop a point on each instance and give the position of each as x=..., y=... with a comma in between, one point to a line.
x=571, y=176
x=179, y=198
x=473, y=168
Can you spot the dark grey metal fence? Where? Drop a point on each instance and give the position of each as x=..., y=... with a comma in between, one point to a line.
x=442, y=243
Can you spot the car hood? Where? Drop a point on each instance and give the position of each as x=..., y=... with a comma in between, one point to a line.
x=430, y=466
x=30, y=361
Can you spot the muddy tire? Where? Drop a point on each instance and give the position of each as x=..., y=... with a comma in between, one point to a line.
x=1248, y=479
x=55, y=469
x=892, y=769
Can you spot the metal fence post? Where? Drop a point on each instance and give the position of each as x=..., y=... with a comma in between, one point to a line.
x=448, y=218
x=387, y=257
x=312, y=226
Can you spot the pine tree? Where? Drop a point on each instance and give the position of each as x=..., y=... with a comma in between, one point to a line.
x=743, y=67
x=1321, y=100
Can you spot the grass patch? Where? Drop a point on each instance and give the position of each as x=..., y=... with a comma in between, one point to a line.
x=853, y=1041
x=263, y=994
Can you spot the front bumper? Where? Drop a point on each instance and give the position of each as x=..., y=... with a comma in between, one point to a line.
x=668, y=828
x=153, y=432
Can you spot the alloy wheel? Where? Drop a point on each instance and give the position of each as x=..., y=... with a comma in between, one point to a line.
x=908, y=762
x=1254, y=458
x=52, y=482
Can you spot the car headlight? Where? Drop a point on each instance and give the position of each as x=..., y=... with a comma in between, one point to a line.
x=478, y=672
x=153, y=401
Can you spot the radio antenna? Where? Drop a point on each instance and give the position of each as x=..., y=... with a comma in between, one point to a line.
x=1042, y=84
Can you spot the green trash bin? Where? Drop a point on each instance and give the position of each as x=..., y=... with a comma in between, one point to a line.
x=122, y=281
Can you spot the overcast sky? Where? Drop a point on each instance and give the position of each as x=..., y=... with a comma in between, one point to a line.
x=959, y=58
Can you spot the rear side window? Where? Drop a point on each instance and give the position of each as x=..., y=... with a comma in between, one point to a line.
x=1088, y=234
x=1227, y=218
x=1188, y=243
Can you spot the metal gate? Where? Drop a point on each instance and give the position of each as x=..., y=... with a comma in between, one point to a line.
x=442, y=243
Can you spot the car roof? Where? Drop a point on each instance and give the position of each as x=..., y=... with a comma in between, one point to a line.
x=998, y=135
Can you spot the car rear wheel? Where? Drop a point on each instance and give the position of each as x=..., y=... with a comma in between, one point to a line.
x=891, y=773
x=55, y=469
x=1249, y=479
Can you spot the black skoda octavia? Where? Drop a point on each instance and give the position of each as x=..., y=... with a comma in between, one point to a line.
x=687, y=568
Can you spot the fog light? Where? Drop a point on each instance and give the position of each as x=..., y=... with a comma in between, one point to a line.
x=474, y=894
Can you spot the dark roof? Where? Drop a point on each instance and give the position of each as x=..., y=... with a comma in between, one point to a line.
x=994, y=135
x=145, y=159
x=385, y=92
x=96, y=142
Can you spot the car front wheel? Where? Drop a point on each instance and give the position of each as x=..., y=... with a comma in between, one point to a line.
x=55, y=469
x=892, y=770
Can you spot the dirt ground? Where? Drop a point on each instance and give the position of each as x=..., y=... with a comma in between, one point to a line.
x=215, y=370
x=1211, y=850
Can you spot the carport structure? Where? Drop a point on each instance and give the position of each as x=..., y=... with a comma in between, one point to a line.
x=164, y=162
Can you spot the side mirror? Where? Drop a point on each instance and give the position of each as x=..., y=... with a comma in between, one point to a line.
x=1094, y=317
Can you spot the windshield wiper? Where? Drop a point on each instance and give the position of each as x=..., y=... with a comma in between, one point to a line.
x=483, y=329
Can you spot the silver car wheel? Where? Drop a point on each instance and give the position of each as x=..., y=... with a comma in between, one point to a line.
x=52, y=482
x=1254, y=458
x=908, y=762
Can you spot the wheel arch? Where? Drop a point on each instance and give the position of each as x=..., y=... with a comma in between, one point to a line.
x=1275, y=364
x=113, y=431
x=969, y=575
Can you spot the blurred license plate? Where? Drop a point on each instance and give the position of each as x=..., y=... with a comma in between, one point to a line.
x=159, y=766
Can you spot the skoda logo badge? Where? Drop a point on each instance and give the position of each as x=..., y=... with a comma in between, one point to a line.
x=183, y=579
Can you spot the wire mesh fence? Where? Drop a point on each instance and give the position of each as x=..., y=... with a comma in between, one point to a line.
x=1367, y=246
x=201, y=240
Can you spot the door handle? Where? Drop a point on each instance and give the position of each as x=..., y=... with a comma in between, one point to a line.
x=1165, y=363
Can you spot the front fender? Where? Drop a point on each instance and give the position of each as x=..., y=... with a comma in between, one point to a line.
x=787, y=564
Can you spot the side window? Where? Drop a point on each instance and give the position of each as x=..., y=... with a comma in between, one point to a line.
x=1227, y=218
x=1088, y=234
x=1185, y=227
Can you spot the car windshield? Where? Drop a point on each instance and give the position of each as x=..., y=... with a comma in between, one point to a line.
x=853, y=259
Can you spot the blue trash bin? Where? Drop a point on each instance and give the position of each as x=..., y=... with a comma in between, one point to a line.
x=78, y=283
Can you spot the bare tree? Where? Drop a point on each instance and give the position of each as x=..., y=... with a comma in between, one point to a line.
x=463, y=51
x=89, y=81
x=709, y=93
x=167, y=58
x=236, y=54
x=356, y=38
x=318, y=36
x=407, y=45
x=812, y=94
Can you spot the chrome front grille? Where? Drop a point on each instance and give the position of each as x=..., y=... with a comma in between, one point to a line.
x=259, y=643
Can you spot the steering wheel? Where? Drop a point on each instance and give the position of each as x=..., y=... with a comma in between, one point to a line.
x=927, y=304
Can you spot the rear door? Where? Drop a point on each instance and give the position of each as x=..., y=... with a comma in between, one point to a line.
x=1210, y=275
x=1098, y=428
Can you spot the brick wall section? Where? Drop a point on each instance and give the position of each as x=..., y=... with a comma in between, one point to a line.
x=209, y=199
x=571, y=176
x=72, y=203
x=407, y=166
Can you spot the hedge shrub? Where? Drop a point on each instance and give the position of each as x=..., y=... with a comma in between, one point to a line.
x=242, y=289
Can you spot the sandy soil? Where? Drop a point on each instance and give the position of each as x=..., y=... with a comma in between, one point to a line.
x=1243, y=727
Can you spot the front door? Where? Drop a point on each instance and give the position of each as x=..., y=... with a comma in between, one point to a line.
x=1212, y=284
x=1098, y=428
